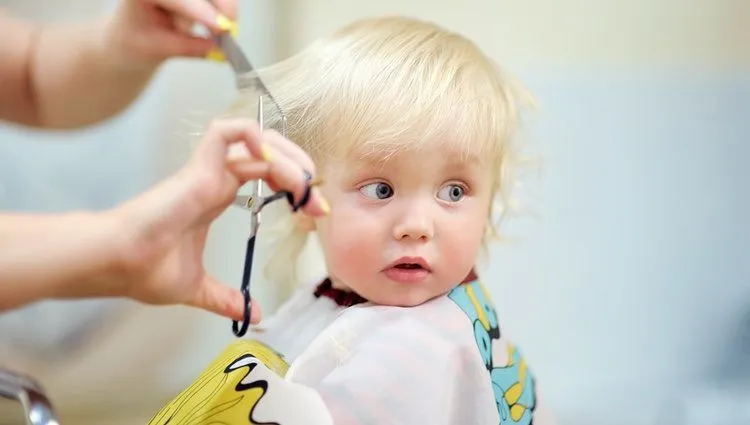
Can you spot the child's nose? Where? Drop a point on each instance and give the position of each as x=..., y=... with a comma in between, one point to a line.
x=415, y=223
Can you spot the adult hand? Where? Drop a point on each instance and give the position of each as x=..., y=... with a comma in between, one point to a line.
x=167, y=227
x=146, y=32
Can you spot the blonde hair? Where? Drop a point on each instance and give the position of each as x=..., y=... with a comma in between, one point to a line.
x=378, y=83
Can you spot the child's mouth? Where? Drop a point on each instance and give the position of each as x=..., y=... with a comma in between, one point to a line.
x=409, y=266
x=413, y=270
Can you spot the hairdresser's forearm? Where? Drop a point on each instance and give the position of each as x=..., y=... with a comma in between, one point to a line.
x=74, y=255
x=75, y=79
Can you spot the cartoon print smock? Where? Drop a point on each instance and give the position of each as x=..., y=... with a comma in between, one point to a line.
x=327, y=358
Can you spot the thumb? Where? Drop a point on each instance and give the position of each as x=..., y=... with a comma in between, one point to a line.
x=220, y=299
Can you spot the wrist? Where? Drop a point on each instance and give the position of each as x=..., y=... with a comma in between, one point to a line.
x=133, y=244
x=115, y=271
x=98, y=245
x=148, y=225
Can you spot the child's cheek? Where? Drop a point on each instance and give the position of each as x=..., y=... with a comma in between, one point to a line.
x=354, y=250
x=460, y=244
x=351, y=242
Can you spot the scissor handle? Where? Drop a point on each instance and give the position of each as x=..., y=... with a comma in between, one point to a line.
x=240, y=329
x=305, y=196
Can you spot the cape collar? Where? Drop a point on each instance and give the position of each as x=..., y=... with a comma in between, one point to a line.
x=348, y=298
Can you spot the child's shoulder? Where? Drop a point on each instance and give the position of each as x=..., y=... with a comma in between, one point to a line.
x=450, y=348
x=465, y=324
x=513, y=383
x=455, y=326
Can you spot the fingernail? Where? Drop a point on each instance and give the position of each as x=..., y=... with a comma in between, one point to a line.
x=267, y=152
x=224, y=23
x=324, y=205
x=216, y=55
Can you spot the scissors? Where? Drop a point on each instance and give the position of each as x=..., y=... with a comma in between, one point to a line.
x=246, y=79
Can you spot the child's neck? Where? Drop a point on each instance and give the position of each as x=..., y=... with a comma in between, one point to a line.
x=337, y=284
x=343, y=297
x=341, y=294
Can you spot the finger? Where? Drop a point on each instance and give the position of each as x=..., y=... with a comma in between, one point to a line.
x=183, y=25
x=254, y=169
x=227, y=7
x=196, y=10
x=281, y=171
x=290, y=149
x=223, y=133
x=317, y=203
x=220, y=299
x=288, y=174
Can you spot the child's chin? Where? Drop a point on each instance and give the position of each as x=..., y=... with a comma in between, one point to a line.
x=409, y=300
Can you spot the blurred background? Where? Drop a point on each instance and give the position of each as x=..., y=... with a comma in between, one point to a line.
x=628, y=289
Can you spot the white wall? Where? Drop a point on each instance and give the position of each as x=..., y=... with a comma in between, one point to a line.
x=573, y=33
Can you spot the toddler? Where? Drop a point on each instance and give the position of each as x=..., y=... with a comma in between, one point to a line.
x=411, y=130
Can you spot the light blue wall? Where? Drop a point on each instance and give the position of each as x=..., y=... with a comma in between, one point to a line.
x=631, y=290
x=92, y=168
x=95, y=168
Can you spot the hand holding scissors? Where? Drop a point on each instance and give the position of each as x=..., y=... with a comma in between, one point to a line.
x=163, y=263
x=247, y=80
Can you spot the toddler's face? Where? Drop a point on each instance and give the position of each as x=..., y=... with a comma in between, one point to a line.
x=407, y=230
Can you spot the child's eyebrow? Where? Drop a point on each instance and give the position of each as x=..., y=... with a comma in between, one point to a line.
x=356, y=167
x=369, y=162
x=460, y=159
x=453, y=160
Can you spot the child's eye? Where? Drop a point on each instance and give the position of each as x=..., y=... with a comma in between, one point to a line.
x=452, y=193
x=377, y=190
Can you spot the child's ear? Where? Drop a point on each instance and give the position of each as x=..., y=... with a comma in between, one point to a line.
x=304, y=222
